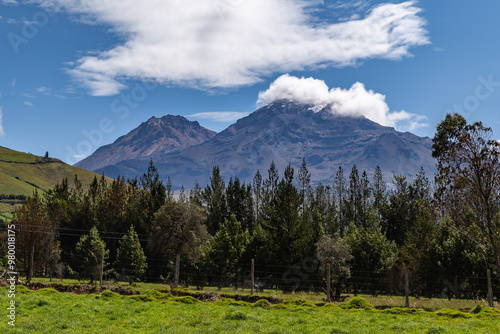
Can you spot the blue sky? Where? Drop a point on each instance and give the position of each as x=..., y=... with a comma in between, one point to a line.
x=77, y=75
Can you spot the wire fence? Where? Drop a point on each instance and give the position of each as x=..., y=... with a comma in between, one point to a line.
x=309, y=275
x=281, y=278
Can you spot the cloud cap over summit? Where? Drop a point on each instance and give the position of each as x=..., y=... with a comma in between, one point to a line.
x=355, y=102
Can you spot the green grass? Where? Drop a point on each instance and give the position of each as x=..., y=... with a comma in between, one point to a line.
x=48, y=311
x=9, y=155
x=379, y=302
x=23, y=173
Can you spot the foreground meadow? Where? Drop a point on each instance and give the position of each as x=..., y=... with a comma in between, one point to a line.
x=49, y=311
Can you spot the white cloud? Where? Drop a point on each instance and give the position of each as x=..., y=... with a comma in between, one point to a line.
x=222, y=43
x=79, y=156
x=9, y=2
x=29, y=104
x=29, y=96
x=44, y=90
x=220, y=116
x=2, y=132
x=356, y=101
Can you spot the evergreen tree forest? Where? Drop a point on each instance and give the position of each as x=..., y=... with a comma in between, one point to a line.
x=443, y=229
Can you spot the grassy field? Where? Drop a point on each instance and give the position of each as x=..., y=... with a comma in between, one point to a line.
x=48, y=311
x=22, y=173
x=380, y=302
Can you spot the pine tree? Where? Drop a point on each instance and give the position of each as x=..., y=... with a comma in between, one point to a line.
x=88, y=255
x=131, y=261
x=214, y=198
x=221, y=257
x=257, y=190
x=156, y=192
x=340, y=189
x=379, y=193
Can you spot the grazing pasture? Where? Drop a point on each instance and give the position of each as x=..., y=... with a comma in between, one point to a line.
x=50, y=311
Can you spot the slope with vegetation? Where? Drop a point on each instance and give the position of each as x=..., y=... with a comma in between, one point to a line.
x=23, y=173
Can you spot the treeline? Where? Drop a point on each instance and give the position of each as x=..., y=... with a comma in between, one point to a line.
x=367, y=233
x=13, y=197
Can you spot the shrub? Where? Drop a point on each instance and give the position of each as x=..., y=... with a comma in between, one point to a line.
x=299, y=302
x=107, y=294
x=447, y=312
x=264, y=303
x=157, y=294
x=485, y=312
x=357, y=303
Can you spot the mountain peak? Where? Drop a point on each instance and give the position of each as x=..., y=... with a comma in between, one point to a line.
x=285, y=132
x=155, y=137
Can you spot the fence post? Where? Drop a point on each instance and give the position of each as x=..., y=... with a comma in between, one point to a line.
x=407, y=289
x=30, y=271
x=102, y=268
x=328, y=297
x=490, y=289
x=252, y=276
x=177, y=269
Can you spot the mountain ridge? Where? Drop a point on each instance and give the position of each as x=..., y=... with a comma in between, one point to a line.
x=155, y=137
x=285, y=132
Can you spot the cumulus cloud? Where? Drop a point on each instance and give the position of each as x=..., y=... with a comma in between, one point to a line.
x=2, y=132
x=28, y=103
x=356, y=101
x=220, y=116
x=231, y=43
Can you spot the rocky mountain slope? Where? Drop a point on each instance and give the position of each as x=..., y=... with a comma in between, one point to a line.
x=285, y=132
x=153, y=138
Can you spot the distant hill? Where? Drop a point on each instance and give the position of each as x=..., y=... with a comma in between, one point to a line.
x=153, y=138
x=285, y=132
x=22, y=173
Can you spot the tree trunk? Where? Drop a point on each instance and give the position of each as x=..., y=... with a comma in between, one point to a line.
x=494, y=246
x=338, y=290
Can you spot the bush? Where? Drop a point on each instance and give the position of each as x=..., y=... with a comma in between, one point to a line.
x=357, y=303
x=107, y=294
x=299, y=302
x=264, y=303
x=447, y=312
x=485, y=312
x=157, y=294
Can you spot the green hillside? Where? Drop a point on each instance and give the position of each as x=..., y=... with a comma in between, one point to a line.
x=23, y=173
